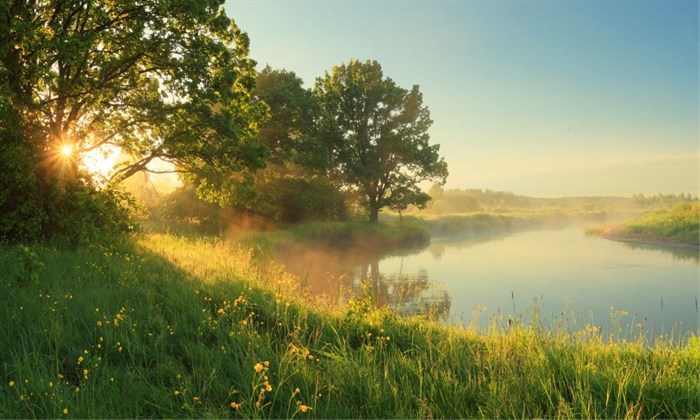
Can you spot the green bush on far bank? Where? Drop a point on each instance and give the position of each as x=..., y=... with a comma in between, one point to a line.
x=680, y=223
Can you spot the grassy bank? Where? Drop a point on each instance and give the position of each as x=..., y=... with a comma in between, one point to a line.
x=377, y=236
x=173, y=327
x=679, y=224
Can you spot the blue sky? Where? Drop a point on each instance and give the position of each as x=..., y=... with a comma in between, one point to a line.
x=543, y=98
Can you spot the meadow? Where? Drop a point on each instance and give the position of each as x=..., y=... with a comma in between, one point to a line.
x=166, y=326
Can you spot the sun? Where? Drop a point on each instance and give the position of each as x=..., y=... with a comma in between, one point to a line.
x=67, y=150
x=100, y=162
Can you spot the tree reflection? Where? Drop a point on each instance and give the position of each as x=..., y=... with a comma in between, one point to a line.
x=678, y=252
x=340, y=276
x=405, y=294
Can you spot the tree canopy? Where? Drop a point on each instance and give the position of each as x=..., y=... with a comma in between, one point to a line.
x=376, y=137
x=160, y=79
x=293, y=186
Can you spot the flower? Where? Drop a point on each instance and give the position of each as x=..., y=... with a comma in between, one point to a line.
x=220, y=311
x=11, y=384
x=258, y=367
x=235, y=405
x=65, y=410
x=304, y=408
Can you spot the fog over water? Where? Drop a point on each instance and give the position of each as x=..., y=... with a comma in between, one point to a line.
x=559, y=273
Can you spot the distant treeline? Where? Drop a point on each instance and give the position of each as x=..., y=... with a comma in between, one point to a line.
x=474, y=200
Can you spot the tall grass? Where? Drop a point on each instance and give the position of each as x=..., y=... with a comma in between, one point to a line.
x=173, y=327
x=680, y=223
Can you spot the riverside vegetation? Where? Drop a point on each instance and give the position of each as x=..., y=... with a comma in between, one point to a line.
x=166, y=326
x=679, y=224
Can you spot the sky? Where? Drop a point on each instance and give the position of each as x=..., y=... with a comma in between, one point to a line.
x=541, y=98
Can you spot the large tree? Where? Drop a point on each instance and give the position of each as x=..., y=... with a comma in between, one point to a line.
x=160, y=79
x=293, y=186
x=376, y=136
x=293, y=111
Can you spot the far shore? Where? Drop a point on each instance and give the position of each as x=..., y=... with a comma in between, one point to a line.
x=614, y=233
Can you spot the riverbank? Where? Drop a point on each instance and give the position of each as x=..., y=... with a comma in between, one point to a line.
x=678, y=226
x=495, y=223
x=374, y=237
x=165, y=326
x=620, y=234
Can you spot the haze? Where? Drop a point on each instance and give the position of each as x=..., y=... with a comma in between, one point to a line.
x=537, y=98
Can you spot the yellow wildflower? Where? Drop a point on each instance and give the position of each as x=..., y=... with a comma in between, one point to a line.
x=65, y=411
x=220, y=311
x=235, y=405
x=304, y=408
x=258, y=367
x=11, y=384
x=266, y=363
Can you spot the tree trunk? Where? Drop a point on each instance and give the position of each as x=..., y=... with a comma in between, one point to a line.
x=373, y=213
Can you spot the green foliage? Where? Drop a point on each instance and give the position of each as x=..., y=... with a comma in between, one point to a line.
x=167, y=79
x=23, y=214
x=454, y=201
x=29, y=266
x=680, y=222
x=375, y=136
x=290, y=188
x=185, y=328
x=182, y=210
x=662, y=200
x=292, y=199
x=293, y=110
x=38, y=203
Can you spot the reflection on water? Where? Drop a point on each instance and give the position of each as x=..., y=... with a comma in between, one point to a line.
x=591, y=280
x=340, y=275
x=678, y=252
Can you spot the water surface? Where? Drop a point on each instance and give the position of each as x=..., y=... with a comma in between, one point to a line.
x=562, y=273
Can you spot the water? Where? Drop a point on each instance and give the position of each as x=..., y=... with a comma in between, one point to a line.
x=561, y=273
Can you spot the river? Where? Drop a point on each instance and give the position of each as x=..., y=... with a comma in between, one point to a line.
x=561, y=276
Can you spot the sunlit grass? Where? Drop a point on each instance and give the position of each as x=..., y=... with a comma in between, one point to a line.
x=679, y=223
x=173, y=327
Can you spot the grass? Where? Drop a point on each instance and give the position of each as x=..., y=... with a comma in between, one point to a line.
x=165, y=326
x=339, y=235
x=680, y=224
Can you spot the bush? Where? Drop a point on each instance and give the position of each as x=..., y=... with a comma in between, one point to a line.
x=39, y=201
x=298, y=200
